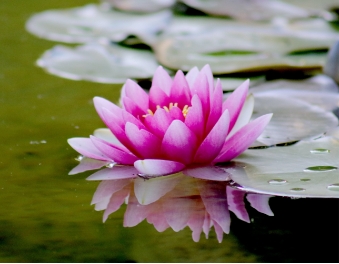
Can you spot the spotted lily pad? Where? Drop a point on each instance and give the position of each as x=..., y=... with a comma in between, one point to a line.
x=306, y=169
x=90, y=22
x=98, y=62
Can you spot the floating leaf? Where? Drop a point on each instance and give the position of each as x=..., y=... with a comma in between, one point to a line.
x=332, y=65
x=319, y=90
x=248, y=9
x=292, y=119
x=99, y=63
x=90, y=22
x=294, y=171
x=144, y=6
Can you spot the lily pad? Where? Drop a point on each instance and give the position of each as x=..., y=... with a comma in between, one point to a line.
x=231, y=46
x=319, y=90
x=99, y=63
x=301, y=170
x=315, y=6
x=145, y=6
x=292, y=119
x=248, y=9
x=90, y=22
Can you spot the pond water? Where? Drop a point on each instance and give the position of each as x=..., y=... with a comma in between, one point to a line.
x=46, y=214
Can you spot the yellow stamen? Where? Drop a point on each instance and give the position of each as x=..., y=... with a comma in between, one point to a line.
x=185, y=110
x=167, y=109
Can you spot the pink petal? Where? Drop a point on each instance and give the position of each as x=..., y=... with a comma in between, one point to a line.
x=180, y=91
x=201, y=88
x=195, y=117
x=132, y=107
x=244, y=116
x=115, y=173
x=156, y=167
x=213, y=173
x=236, y=203
x=260, y=203
x=162, y=80
x=157, y=97
x=214, y=197
x=136, y=94
x=87, y=164
x=132, y=119
x=116, y=201
x=179, y=143
x=206, y=70
x=191, y=76
x=100, y=103
x=117, y=130
x=242, y=139
x=145, y=143
x=149, y=191
x=85, y=147
x=118, y=154
x=107, y=135
x=107, y=188
x=159, y=122
x=213, y=143
x=216, y=107
x=176, y=113
x=235, y=102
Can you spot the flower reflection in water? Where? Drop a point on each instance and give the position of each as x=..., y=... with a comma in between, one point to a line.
x=177, y=201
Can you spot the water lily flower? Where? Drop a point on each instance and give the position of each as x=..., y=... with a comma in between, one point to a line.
x=180, y=125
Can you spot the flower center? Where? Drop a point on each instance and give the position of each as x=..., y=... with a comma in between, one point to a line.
x=168, y=109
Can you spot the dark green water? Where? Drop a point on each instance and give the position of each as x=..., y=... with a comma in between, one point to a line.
x=45, y=214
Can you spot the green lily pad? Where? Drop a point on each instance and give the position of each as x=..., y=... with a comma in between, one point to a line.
x=145, y=6
x=99, y=63
x=292, y=119
x=248, y=10
x=231, y=46
x=319, y=90
x=91, y=22
x=301, y=170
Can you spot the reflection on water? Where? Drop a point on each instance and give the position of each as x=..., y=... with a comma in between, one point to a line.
x=198, y=204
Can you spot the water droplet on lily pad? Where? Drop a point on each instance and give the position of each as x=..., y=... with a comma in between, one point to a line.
x=297, y=189
x=320, y=168
x=320, y=151
x=277, y=181
x=333, y=187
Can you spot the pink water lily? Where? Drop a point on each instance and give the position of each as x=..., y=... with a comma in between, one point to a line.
x=180, y=125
